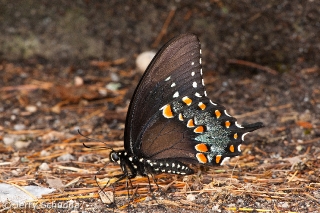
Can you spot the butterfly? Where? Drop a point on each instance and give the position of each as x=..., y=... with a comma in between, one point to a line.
x=171, y=123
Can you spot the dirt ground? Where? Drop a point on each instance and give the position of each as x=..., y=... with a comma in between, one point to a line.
x=69, y=65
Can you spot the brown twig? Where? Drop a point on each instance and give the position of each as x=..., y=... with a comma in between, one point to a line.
x=253, y=65
x=164, y=28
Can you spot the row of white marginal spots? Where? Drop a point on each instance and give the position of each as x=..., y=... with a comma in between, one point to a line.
x=194, y=84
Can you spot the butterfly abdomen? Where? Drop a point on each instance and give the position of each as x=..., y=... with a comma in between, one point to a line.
x=132, y=165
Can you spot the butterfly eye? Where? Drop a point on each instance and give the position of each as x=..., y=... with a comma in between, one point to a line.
x=114, y=157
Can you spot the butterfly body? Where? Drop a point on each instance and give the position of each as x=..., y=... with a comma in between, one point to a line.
x=171, y=122
x=132, y=165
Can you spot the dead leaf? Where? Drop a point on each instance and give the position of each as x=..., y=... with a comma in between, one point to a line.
x=304, y=124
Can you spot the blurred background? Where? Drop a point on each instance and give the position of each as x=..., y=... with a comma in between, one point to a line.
x=283, y=35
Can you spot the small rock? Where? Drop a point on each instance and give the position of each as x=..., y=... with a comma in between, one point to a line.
x=113, y=86
x=31, y=108
x=44, y=153
x=53, y=135
x=16, y=111
x=19, y=127
x=216, y=208
x=66, y=157
x=44, y=167
x=284, y=205
x=114, y=77
x=15, y=173
x=78, y=81
x=103, y=91
x=144, y=59
x=191, y=197
x=22, y=144
x=8, y=140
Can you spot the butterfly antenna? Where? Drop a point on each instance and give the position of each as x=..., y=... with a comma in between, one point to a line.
x=80, y=133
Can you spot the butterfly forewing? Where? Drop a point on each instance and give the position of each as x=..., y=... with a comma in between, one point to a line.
x=171, y=74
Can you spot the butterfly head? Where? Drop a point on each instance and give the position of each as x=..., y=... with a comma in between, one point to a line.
x=115, y=157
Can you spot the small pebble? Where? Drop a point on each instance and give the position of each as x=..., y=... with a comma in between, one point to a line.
x=22, y=144
x=114, y=76
x=284, y=205
x=44, y=167
x=299, y=148
x=31, y=108
x=16, y=111
x=191, y=197
x=44, y=153
x=144, y=59
x=216, y=208
x=53, y=135
x=19, y=127
x=113, y=86
x=8, y=140
x=78, y=81
x=66, y=157
x=15, y=173
x=103, y=91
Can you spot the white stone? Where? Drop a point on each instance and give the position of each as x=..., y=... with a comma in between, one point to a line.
x=44, y=167
x=144, y=59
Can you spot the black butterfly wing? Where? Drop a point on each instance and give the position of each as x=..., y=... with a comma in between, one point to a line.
x=174, y=59
x=170, y=115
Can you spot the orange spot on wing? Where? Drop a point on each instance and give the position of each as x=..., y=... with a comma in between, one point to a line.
x=231, y=148
x=202, y=105
x=218, y=113
x=167, y=111
x=199, y=129
x=201, y=158
x=218, y=159
x=181, y=117
x=235, y=136
x=190, y=123
x=187, y=100
x=227, y=124
x=201, y=147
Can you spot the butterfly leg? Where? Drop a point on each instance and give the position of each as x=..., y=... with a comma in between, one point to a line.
x=155, y=181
